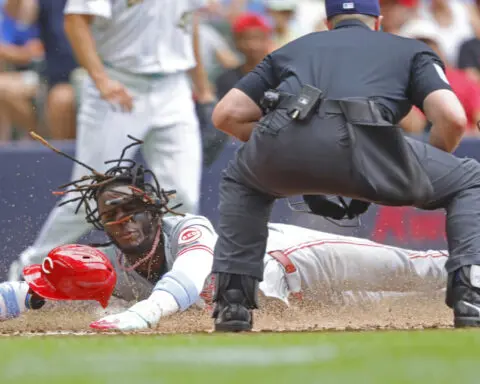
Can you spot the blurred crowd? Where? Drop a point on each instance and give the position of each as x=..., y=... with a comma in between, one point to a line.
x=40, y=80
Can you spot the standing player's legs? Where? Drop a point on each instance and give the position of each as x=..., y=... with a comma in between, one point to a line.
x=100, y=137
x=172, y=148
x=176, y=163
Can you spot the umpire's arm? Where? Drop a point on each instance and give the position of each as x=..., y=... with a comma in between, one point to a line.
x=431, y=92
x=238, y=111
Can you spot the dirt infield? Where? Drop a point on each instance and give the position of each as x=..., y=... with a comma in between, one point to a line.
x=399, y=313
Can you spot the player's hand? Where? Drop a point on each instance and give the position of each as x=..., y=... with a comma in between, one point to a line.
x=144, y=314
x=115, y=93
x=207, y=96
x=125, y=321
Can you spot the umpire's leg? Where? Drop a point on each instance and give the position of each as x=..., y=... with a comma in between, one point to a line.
x=239, y=250
x=456, y=184
x=281, y=158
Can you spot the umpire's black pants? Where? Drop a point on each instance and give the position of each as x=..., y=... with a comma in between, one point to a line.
x=285, y=158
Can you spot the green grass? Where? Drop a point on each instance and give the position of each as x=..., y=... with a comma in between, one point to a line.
x=440, y=356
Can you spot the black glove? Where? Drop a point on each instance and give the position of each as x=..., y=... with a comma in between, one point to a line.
x=204, y=113
x=213, y=140
x=33, y=301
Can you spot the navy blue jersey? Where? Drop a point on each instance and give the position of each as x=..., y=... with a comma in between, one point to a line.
x=353, y=61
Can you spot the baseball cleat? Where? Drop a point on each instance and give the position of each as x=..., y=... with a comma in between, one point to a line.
x=463, y=296
x=231, y=314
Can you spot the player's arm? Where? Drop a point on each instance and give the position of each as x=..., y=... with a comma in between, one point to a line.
x=17, y=298
x=79, y=14
x=431, y=92
x=239, y=110
x=178, y=289
x=226, y=57
x=202, y=87
x=192, y=266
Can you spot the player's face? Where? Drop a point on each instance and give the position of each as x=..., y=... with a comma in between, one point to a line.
x=127, y=224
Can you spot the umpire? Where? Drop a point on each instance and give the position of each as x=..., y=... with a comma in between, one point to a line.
x=319, y=116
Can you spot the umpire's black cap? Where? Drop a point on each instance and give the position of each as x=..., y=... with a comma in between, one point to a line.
x=343, y=7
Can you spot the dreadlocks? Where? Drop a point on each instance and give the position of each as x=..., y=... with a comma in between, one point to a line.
x=150, y=195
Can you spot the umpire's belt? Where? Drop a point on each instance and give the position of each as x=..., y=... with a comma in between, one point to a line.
x=360, y=111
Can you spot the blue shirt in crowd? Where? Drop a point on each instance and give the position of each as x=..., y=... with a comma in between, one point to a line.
x=60, y=61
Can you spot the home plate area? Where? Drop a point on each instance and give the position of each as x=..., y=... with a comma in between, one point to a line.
x=308, y=314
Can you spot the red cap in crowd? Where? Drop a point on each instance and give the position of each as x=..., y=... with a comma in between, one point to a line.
x=405, y=3
x=408, y=3
x=246, y=21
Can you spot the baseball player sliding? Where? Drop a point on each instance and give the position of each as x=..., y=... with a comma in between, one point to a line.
x=164, y=263
x=140, y=56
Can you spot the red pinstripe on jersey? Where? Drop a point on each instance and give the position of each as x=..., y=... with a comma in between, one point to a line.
x=311, y=244
x=197, y=247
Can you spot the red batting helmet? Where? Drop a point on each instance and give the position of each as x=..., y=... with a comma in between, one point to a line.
x=73, y=272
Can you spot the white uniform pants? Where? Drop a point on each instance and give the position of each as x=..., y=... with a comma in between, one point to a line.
x=342, y=267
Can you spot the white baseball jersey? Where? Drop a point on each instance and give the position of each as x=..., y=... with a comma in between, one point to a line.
x=141, y=36
x=191, y=236
x=296, y=259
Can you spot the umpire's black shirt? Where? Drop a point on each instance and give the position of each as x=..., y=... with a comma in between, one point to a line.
x=352, y=61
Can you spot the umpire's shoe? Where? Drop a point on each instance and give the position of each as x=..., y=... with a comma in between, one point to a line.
x=235, y=298
x=463, y=296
